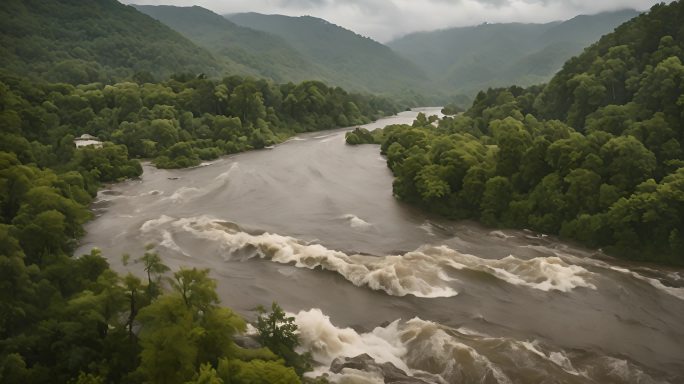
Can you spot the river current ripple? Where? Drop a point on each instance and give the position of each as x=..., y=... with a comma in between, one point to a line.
x=313, y=225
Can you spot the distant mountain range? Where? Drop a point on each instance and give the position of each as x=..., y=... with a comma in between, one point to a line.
x=353, y=61
x=472, y=58
x=250, y=51
x=292, y=48
x=106, y=40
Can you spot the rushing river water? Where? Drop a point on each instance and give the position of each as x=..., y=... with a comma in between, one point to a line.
x=313, y=225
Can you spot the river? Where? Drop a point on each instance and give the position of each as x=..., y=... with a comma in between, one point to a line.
x=313, y=225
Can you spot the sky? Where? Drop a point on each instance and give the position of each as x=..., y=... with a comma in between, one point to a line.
x=384, y=20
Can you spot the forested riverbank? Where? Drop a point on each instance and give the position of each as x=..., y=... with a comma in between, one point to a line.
x=112, y=275
x=595, y=156
x=66, y=318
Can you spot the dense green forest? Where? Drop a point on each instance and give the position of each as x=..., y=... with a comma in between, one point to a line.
x=595, y=156
x=493, y=55
x=83, y=42
x=72, y=319
x=176, y=123
x=67, y=319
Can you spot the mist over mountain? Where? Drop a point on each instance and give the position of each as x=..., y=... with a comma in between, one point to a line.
x=472, y=58
x=353, y=61
x=187, y=198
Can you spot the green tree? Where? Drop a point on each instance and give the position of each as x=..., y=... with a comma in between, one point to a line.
x=278, y=332
x=154, y=268
x=196, y=289
x=168, y=339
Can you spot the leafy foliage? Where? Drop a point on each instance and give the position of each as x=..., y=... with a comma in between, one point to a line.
x=65, y=319
x=277, y=331
x=595, y=156
x=75, y=42
x=360, y=136
x=178, y=123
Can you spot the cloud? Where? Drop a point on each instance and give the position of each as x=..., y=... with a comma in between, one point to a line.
x=384, y=20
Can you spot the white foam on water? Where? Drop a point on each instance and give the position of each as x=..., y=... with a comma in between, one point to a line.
x=439, y=354
x=169, y=243
x=611, y=369
x=433, y=349
x=355, y=221
x=422, y=273
x=154, y=224
x=676, y=292
x=225, y=175
x=325, y=136
x=427, y=227
x=295, y=138
x=182, y=194
x=558, y=358
x=500, y=234
x=105, y=197
x=251, y=330
x=353, y=376
x=542, y=273
x=412, y=274
x=327, y=342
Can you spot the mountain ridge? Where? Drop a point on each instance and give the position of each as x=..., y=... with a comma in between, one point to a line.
x=253, y=52
x=356, y=61
x=96, y=41
x=477, y=57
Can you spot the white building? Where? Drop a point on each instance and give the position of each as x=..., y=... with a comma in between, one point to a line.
x=86, y=140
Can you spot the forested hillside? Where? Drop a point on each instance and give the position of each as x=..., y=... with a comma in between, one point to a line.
x=82, y=42
x=595, y=156
x=250, y=51
x=66, y=319
x=474, y=58
x=353, y=61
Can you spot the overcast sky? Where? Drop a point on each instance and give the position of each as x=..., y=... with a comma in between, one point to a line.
x=387, y=19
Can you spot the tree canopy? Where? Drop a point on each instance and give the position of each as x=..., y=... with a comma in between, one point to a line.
x=595, y=155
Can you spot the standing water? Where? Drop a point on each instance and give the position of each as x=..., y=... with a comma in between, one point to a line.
x=313, y=225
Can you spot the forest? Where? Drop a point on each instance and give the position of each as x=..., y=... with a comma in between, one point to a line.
x=594, y=156
x=84, y=42
x=72, y=319
x=69, y=318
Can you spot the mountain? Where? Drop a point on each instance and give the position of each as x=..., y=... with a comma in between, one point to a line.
x=473, y=58
x=252, y=52
x=79, y=42
x=595, y=156
x=352, y=61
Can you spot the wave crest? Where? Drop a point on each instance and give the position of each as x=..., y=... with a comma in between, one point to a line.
x=441, y=354
x=427, y=272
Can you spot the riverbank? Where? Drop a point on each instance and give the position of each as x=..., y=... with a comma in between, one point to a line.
x=312, y=223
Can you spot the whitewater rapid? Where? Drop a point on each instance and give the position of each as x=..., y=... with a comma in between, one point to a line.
x=313, y=225
x=435, y=353
x=426, y=272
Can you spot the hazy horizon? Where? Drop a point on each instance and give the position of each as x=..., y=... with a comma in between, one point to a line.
x=384, y=20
